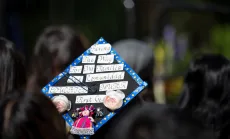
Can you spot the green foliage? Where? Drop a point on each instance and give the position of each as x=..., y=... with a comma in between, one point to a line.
x=220, y=40
x=182, y=65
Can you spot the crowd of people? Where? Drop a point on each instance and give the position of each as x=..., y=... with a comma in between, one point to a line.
x=202, y=111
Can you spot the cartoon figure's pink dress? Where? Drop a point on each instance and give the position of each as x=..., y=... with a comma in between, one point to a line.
x=83, y=126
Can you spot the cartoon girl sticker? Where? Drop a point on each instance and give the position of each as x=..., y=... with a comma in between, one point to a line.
x=84, y=125
x=114, y=99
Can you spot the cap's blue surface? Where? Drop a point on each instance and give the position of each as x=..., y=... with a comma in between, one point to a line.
x=127, y=68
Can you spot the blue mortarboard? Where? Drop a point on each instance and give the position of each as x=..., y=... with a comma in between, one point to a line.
x=86, y=81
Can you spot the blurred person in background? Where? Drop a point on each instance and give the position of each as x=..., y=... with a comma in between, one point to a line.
x=139, y=56
x=30, y=116
x=207, y=92
x=12, y=68
x=55, y=49
x=158, y=121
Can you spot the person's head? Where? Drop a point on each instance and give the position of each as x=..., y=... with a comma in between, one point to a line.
x=139, y=56
x=156, y=121
x=55, y=49
x=12, y=68
x=30, y=116
x=207, y=90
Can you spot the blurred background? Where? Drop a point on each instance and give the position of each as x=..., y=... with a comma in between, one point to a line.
x=176, y=30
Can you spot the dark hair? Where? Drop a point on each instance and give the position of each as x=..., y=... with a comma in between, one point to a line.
x=12, y=68
x=55, y=49
x=106, y=128
x=157, y=121
x=207, y=91
x=30, y=116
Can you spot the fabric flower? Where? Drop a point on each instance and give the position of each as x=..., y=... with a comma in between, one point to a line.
x=62, y=103
x=114, y=99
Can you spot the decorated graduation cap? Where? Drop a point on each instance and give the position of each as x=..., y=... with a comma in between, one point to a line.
x=96, y=86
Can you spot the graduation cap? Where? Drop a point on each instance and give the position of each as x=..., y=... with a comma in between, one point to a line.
x=91, y=90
